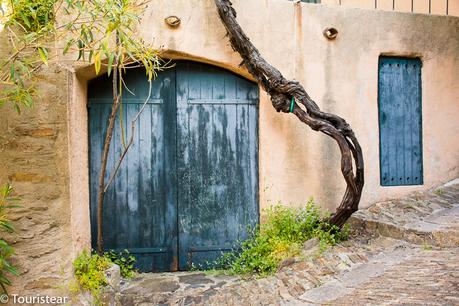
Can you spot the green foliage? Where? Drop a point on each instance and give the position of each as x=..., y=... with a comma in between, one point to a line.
x=100, y=32
x=28, y=25
x=281, y=236
x=426, y=246
x=124, y=260
x=89, y=271
x=32, y=15
x=438, y=191
x=6, y=250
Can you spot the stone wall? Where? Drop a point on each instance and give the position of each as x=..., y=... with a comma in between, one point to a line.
x=34, y=157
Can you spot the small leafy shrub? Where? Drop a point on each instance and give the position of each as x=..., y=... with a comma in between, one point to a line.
x=124, y=260
x=281, y=236
x=89, y=271
x=6, y=250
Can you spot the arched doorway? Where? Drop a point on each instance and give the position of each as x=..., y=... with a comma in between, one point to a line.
x=188, y=187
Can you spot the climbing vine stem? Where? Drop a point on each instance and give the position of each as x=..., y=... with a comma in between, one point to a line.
x=283, y=92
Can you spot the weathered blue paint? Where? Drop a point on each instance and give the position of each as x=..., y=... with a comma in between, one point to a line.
x=140, y=210
x=400, y=121
x=217, y=125
x=188, y=187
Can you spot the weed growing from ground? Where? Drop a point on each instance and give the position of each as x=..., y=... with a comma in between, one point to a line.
x=89, y=270
x=281, y=236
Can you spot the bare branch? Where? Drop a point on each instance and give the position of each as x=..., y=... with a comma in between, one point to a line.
x=131, y=139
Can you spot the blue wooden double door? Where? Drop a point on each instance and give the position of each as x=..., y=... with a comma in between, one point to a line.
x=188, y=188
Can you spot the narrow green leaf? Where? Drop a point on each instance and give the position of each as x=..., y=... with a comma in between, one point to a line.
x=91, y=52
x=80, y=50
x=110, y=62
x=12, y=71
x=43, y=54
x=67, y=46
x=25, y=19
x=97, y=62
x=28, y=100
x=17, y=109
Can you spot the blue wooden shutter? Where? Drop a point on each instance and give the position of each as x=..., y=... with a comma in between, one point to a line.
x=400, y=121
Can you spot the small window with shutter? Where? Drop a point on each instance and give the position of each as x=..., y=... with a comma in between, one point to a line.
x=400, y=121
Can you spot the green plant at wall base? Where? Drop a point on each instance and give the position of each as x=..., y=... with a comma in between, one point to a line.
x=89, y=271
x=281, y=236
x=6, y=250
x=124, y=260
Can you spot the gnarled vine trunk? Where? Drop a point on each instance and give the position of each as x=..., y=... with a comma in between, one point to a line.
x=281, y=91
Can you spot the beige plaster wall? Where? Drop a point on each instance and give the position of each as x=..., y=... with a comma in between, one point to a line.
x=295, y=162
x=44, y=151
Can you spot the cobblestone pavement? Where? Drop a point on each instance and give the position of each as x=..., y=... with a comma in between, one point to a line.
x=402, y=252
x=427, y=278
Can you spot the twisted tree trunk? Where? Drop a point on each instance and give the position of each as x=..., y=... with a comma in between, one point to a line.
x=281, y=91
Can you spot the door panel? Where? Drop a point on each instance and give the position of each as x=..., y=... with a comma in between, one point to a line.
x=140, y=205
x=400, y=121
x=216, y=151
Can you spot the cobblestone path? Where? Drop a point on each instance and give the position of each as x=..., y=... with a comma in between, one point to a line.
x=427, y=278
x=402, y=252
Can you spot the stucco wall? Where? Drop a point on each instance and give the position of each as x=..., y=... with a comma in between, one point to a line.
x=341, y=75
x=47, y=161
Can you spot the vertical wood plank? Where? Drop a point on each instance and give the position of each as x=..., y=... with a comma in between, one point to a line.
x=132, y=161
x=121, y=182
x=146, y=197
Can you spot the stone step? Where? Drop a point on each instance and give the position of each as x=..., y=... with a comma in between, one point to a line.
x=358, y=275
x=430, y=218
